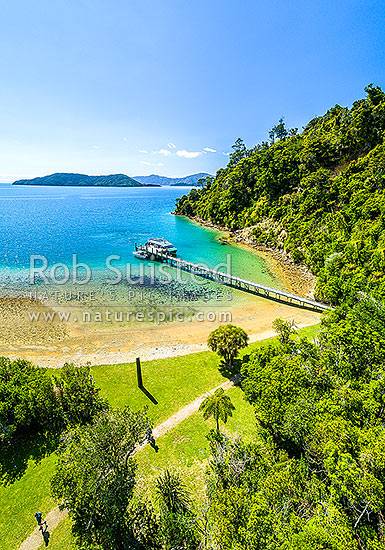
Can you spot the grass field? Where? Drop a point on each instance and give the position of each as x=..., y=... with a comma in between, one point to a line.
x=173, y=383
x=20, y=500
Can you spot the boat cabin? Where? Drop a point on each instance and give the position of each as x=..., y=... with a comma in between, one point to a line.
x=161, y=245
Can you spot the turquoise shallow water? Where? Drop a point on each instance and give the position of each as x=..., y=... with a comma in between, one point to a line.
x=94, y=223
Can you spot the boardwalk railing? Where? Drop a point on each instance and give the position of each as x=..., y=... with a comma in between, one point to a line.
x=235, y=282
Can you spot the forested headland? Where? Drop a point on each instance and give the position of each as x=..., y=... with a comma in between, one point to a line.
x=317, y=194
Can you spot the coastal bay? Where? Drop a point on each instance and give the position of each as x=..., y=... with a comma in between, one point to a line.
x=110, y=323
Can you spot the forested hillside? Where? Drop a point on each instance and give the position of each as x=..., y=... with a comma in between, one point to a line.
x=318, y=194
x=163, y=180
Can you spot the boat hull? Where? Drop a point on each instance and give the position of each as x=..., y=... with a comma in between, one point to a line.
x=140, y=255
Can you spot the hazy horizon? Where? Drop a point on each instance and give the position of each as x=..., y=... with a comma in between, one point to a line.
x=136, y=176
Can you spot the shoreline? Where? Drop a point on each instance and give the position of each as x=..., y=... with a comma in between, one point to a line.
x=53, y=344
x=297, y=277
x=54, y=360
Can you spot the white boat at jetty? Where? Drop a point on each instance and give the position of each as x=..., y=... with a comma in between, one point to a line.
x=161, y=244
x=155, y=246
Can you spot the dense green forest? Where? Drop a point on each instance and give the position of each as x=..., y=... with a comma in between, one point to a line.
x=318, y=194
x=314, y=476
x=31, y=401
x=80, y=180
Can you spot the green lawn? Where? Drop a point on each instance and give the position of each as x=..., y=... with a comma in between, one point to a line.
x=173, y=382
x=20, y=500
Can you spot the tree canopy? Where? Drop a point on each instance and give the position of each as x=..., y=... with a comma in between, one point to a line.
x=31, y=400
x=95, y=476
x=227, y=340
x=318, y=457
x=319, y=195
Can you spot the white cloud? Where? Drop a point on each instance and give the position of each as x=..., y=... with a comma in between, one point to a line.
x=125, y=139
x=227, y=154
x=209, y=150
x=146, y=163
x=96, y=147
x=171, y=145
x=164, y=152
x=188, y=154
x=143, y=151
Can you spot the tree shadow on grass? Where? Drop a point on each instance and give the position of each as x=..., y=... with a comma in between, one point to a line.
x=149, y=395
x=229, y=372
x=15, y=454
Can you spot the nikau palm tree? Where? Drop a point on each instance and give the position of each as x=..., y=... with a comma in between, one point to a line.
x=217, y=405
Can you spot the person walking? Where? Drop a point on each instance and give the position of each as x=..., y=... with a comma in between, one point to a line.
x=38, y=517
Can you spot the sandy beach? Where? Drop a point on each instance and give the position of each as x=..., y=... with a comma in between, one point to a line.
x=54, y=343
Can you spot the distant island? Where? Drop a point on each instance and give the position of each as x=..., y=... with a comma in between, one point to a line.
x=82, y=180
x=163, y=180
x=113, y=180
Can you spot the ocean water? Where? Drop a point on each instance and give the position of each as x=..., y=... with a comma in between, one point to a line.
x=95, y=223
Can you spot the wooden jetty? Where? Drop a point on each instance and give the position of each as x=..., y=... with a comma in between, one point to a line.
x=234, y=282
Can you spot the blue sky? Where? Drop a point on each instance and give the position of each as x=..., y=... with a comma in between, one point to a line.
x=146, y=86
